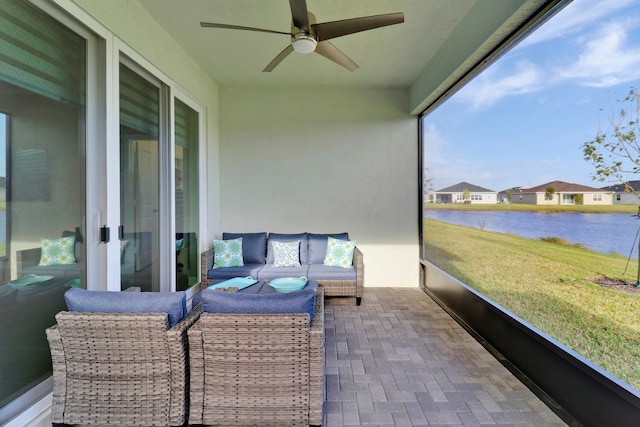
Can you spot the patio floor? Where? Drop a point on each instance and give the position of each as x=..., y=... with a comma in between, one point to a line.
x=400, y=360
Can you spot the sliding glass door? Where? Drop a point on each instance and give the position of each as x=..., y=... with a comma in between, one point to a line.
x=186, y=194
x=140, y=123
x=43, y=205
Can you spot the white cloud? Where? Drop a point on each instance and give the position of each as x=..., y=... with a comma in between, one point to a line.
x=606, y=59
x=578, y=16
x=494, y=84
x=600, y=55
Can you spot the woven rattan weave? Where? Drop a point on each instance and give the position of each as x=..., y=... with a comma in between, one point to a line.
x=257, y=369
x=123, y=369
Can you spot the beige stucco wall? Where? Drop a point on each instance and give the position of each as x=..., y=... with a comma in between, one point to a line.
x=325, y=160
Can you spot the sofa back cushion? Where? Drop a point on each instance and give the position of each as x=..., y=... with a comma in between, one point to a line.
x=79, y=243
x=318, y=245
x=172, y=303
x=254, y=246
x=239, y=302
x=278, y=237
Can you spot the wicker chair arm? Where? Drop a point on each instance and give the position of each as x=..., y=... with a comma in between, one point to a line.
x=316, y=361
x=177, y=346
x=59, y=373
x=206, y=261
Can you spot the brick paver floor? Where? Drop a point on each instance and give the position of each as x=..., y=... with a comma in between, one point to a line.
x=400, y=360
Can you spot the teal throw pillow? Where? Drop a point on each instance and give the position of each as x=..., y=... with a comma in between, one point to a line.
x=339, y=253
x=228, y=253
x=57, y=251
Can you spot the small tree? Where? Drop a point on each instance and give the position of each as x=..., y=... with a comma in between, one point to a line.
x=615, y=152
x=549, y=192
x=466, y=194
x=509, y=195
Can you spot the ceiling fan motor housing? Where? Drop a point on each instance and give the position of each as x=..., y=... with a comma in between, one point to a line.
x=303, y=42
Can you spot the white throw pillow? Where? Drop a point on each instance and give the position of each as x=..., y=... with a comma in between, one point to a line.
x=286, y=254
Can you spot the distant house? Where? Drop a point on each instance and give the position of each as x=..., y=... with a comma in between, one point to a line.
x=564, y=193
x=504, y=196
x=623, y=197
x=456, y=193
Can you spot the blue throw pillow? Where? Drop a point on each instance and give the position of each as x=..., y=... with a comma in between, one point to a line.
x=254, y=246
x=172, y=303
x=239, y=302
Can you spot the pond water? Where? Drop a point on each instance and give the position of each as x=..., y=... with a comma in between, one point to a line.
x=606, y=233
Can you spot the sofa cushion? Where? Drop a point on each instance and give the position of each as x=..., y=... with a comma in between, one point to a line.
x=231, y=272
x=238, y=302
x=286, y=254
x=172, y=303
x=318, y=245
x=227, y=253
x=58, y=251
x=79, y=244
x=339, y=253
x=269, y=272
x=322, y=272
x=254, y=246
x=277, y=237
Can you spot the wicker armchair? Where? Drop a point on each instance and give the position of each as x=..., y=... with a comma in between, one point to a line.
x=125, y=369
x=257, y=369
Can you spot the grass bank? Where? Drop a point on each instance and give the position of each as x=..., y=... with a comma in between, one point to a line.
x=551, y=287
x=515, y=207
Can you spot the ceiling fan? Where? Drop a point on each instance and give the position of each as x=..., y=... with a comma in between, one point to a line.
x=307, y=36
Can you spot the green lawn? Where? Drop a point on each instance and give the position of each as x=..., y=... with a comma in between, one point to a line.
x=632, y=209
x=549, y=286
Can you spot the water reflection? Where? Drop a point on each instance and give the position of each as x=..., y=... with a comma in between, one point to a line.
x=606, y=233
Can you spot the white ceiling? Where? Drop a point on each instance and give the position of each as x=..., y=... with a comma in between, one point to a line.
x=397, y=56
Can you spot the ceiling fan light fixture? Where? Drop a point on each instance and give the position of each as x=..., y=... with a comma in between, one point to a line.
x=304, y=43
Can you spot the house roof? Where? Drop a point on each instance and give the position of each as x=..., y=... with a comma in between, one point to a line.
x=440, y=46
x=461, y=186
x=560, y=187
x=620, y=188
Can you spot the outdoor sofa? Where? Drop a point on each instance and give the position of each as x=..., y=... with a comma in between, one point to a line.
x=258, y=262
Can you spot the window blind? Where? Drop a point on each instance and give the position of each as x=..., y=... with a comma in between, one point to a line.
x=139, y=103
x=39, y=55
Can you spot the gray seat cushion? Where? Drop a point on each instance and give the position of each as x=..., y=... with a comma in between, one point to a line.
x=269, y=272
x=321, y=272
x=277, y=237
x=231, y=272
x=318, y=245
x=238, y=302
x=172, y=303
x=254, y=246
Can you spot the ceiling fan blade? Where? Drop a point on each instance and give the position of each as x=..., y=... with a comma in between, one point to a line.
x=299, y=14
x=238, y=27
x=278, y=59
x=330, y=30
x=331, y=52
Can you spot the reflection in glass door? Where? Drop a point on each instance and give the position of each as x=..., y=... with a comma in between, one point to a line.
x=139, y=181
x=186, y=195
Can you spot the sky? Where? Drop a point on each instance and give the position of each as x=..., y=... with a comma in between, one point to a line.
x=522, y=122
